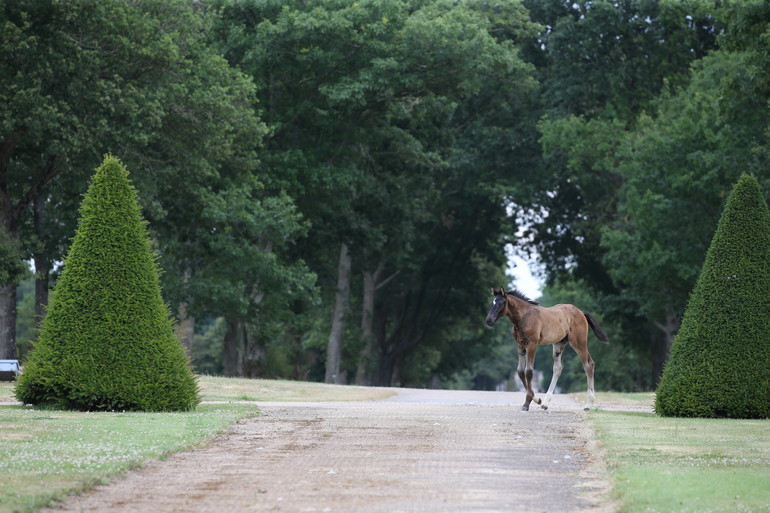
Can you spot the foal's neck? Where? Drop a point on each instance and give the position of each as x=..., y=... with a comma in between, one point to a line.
x=517, y=308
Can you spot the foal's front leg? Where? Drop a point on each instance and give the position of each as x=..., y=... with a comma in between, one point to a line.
x=526, y=369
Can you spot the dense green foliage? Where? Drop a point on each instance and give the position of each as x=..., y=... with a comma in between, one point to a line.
x=107, y=341
x=631, y=194
x=12, y=267
x=719, y=362
x=423, y=137
x=617, y=367
x=138, y=79
x=372, y=107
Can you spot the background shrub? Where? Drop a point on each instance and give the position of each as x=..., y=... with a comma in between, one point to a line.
x=719, y=363
x=107, y=341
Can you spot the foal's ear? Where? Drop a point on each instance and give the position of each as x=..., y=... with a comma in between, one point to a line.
x=502, y=291
x=494, y=292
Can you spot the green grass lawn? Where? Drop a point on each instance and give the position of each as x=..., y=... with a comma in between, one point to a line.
x=656, y=464
x=241, y=389
x=618, y=399
x=675, y=465
x=46, y=454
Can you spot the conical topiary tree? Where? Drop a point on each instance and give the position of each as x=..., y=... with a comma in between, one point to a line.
x=720, y=360
x=107, y=341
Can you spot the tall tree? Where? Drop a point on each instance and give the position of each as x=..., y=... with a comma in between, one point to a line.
x=601, y=63
x=609, y=59
x=677, y=167
x=365, y=151
x=230, y=263
x=80, y=78
x=603, y=66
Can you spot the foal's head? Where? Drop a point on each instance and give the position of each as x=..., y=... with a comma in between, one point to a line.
x=501, y=304
x=498, y=307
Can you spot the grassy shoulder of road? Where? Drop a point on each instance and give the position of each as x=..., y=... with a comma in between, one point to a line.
x=242, y=389
x=47, y=454
x=618, y=399
x=679, y=465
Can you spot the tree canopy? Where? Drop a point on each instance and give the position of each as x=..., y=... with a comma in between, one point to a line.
x=332, y=186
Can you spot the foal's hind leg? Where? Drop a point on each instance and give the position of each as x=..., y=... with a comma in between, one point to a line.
x=588, y=367
x=558, y=351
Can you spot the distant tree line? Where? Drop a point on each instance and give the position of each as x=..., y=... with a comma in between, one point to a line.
x=330, y=186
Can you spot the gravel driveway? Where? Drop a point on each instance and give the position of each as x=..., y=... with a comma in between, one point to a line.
x=419, y=451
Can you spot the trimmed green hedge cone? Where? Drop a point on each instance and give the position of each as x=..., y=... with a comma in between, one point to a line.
x=107, y=341
x=719, y=364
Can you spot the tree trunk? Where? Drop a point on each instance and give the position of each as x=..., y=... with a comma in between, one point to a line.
x=8, y=292
x=42, y=264
x=395, y=378
x=368, y=353
x=231, y=357
x=254, y=355
x=185, y=329
x=669, y=329
x=42, y=285
x=8, y=323
x=367, y=359
x=8, y=223
x=385, y=368
x=337, y=332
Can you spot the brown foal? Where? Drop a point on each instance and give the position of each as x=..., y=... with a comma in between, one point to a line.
x=534, y=326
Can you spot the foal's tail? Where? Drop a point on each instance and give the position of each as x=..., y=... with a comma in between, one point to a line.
x=597, y=329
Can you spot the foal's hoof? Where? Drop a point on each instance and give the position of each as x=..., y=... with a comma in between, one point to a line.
x=544, y=406
x=525, y=408
x=537, y=400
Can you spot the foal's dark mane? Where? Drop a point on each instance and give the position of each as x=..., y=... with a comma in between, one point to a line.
x=517, y=293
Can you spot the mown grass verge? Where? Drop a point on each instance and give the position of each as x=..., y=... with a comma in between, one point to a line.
x=48, y=454
x=241, y=389
x=618, y=399
x=678, y=465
